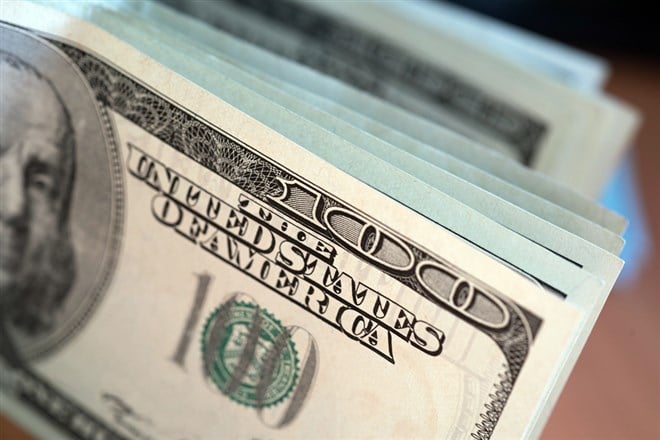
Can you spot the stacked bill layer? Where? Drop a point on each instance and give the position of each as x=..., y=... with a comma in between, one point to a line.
x=292, y=220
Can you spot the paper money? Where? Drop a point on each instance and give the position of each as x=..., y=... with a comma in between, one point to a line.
x=301, y=251
x=222, y=281
x=451, y=213
x=539, y=264
x=427, y=71
x=501, y=242
x=572, y=67
x=490, y=171
x=247, y=59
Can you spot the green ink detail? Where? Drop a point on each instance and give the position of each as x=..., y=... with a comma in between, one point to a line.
x=227, y=356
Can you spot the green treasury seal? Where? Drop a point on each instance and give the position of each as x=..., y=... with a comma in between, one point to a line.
x=249, y=355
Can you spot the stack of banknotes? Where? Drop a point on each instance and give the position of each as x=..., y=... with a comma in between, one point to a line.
x=284, y=219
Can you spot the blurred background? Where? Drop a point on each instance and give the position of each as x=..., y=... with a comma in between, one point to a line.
x=627, y=26
x=614, y=390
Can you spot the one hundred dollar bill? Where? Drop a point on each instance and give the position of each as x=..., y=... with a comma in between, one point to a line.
x=427, y=71
x=243, y=62
x=592, y=256
x=175, y=268
x=508, y=239
x=442, y=147
x=602, y=264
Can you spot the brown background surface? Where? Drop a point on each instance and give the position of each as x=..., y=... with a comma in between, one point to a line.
x=614, y=390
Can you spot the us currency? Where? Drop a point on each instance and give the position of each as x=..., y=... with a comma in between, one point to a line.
x=536, y=121
x=507, y=180
x=250, y=60
x=328, y=91
x=601, y=262
x=604, y=265
x=192, y=273
x=450, y=212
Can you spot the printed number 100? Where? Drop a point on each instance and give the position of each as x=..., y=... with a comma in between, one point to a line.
x=256, y=353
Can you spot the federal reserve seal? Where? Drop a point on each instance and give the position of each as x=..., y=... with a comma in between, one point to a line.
x=249, y=355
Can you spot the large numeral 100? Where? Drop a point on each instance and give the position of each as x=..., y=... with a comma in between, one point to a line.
x=276, y=397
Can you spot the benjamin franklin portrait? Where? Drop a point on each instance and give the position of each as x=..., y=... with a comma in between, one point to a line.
x=37, y=174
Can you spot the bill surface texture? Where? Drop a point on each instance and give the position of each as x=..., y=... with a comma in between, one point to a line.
x=432, y=72
x=224, y=282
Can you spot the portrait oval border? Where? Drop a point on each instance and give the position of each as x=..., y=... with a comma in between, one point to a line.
x=93, y=295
